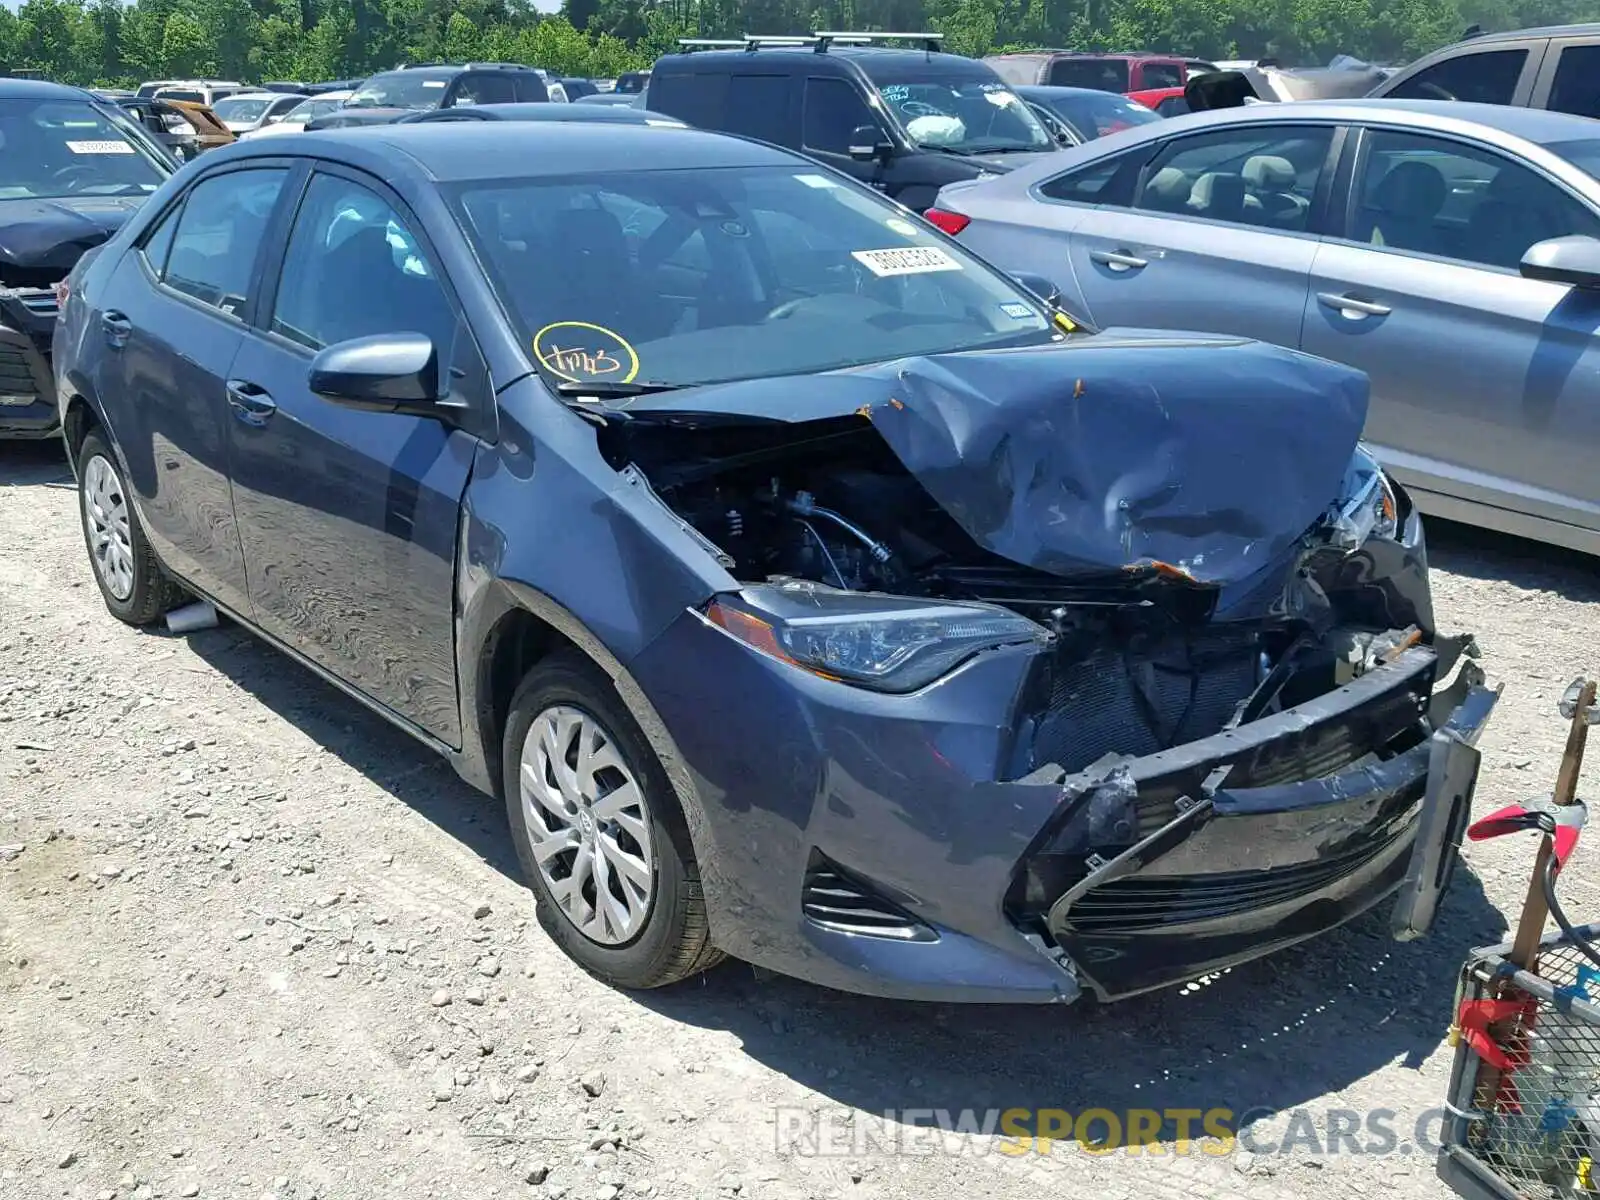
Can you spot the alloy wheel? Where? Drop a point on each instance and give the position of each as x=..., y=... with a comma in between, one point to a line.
x=589, y=825
x=105, y=514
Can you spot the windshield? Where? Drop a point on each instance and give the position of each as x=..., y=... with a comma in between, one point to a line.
x=242, y=109
x=1095, y=114
x=974, y=114
x=55, y=149
x=400, y=89
x=687, y=277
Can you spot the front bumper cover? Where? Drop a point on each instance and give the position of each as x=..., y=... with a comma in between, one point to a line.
x=794, y=784
x=1272, y=833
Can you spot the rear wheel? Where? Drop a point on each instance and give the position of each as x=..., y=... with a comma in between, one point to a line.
x=135, y=587
x=599, y=832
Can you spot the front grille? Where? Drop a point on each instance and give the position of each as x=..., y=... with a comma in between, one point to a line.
x=834, y=901
x=40, y=304
x=1144, y=904
x=1188, y=693
x=17, y=383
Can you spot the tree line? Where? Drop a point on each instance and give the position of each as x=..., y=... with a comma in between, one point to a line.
x=107, y=42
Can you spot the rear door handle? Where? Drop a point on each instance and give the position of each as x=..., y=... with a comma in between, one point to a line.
x=117, y=329
x=1352, y=308
x=250, y=403
x=1118, y=260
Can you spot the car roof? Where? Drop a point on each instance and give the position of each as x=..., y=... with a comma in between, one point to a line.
x=456, y=151
x=39, y=89
x=1588, y=29
x=1538, y=125
x=537, y=111
x=810, y=57
x=1051, y=91
x=263, y=96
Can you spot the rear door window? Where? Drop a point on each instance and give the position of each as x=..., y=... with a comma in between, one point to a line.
x=1161, y=75
x=485, y=89
x=214, y=249
x=1102, y=74
x=1577, y=83
x=1245, y=176
x=1487, y=77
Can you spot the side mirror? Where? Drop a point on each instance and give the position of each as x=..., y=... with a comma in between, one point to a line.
x=388, y=372
x=867, y=143
x=1574, y=261
x=1039, y=286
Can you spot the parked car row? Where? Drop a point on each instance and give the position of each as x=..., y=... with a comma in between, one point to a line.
x=809, y=463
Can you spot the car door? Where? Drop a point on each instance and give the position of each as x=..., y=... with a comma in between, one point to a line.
x=173, y=317
x=832, y=109
x=1483, y=382
x=1230, y=213
x=349, y=518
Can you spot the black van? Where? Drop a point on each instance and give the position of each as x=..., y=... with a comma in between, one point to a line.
x=906, y=121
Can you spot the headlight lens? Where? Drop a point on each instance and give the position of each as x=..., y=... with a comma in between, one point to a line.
x=1366, y=507
x=886, y=643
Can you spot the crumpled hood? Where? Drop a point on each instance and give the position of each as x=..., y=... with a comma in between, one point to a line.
x=49, y=235
x=1212, y=455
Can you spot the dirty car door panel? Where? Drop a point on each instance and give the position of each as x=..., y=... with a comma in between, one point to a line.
x=172, y=321
x=350, y=518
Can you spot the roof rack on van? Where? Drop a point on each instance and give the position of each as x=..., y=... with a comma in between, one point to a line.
x=466, y=66
x=818, y=42
x=932, y=42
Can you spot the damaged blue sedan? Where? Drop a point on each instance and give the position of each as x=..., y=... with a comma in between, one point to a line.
x=810, y=590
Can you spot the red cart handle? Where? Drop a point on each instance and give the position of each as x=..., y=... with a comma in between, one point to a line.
x=1563, y=822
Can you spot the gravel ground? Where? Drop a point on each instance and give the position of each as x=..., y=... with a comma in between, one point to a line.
x=259, y=944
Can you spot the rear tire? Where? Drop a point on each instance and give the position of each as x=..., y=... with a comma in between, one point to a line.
x=590, y=809
x=135, y=587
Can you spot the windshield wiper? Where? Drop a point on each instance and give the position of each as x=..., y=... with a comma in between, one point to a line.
x=948, y=150
x=602, y=390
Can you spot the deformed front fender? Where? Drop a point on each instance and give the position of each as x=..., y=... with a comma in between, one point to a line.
x=592, y=554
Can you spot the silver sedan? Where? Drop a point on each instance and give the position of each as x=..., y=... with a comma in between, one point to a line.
x=1451, y=251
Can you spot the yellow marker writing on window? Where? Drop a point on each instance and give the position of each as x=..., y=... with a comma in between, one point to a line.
x=581, y=352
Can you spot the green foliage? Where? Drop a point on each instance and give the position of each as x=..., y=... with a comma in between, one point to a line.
x=107, y=42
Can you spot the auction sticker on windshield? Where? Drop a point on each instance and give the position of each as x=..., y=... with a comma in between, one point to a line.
x=100, y=147
x=816, y=181
x=583, y=353
x=919, y=260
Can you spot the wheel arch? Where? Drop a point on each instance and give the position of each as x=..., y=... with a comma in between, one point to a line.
x=521, y=627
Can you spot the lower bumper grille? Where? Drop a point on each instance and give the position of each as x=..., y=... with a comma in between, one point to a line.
x=19, y=383
x=834, y=901
x=1141, y=904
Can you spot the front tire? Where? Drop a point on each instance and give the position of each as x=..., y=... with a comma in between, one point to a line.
x=599, y=832
x=136, y=589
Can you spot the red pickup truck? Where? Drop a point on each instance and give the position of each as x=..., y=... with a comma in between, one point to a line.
x=1103, y=72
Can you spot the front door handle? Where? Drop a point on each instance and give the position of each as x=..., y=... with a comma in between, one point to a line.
x=1352, y=308
x=1118, y=260
x=250, y=403
x=117, y=328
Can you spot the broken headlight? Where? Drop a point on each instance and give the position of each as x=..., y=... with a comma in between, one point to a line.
x=886, y=643
x=1366, y=507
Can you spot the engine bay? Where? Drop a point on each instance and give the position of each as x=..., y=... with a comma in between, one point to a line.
x=1141, y=660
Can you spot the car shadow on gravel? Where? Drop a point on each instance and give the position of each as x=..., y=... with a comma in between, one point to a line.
x=33, y=464
x=1485, y=555
x=1271, y=1035
x=410, y=772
